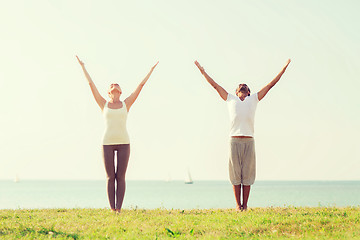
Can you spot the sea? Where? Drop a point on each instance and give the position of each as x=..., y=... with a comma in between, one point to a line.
x=33, y=194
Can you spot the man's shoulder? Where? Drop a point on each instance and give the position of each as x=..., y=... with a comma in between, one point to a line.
x=254, y=97
x=231, y=97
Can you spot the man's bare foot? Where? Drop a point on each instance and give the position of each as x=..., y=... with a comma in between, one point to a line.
x=244, y=208
x=118, y=211
x=238, y=208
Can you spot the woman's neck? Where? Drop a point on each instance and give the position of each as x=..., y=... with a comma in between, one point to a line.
x=114, y=100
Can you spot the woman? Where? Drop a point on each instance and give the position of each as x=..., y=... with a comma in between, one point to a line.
x=116, y=138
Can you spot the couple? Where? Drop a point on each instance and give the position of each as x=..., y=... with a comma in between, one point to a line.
x=241, y=107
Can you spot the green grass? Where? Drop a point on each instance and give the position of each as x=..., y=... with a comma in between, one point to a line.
x=257, y=223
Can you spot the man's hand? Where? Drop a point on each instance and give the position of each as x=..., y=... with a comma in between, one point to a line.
x=152, y=69
x=81, y=62
x=202, y=70
x=223, y=94
x=262, y=93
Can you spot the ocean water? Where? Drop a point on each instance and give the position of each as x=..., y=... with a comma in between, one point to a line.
x=176, y=194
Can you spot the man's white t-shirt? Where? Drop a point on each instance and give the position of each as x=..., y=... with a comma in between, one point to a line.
x=242, y=114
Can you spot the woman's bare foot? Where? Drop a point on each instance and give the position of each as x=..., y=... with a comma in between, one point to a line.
x=118, y=211
x=244, y=208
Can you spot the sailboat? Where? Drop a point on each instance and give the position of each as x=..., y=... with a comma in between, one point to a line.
x=16, y=179
x=188, y=179
x=168, y=178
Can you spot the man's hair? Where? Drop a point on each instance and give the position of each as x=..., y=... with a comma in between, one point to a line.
x=245, y=85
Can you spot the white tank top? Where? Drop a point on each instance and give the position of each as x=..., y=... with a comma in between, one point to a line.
x=115, y=125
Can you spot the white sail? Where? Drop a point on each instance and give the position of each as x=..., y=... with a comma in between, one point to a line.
x=188, y=179
x=168, y=179
x=16, y=179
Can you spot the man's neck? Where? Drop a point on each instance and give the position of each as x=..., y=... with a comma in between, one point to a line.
x=242, y=96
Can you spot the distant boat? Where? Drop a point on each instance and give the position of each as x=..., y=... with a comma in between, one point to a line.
x=188, y=179
x=16, y=179
x=168, y=178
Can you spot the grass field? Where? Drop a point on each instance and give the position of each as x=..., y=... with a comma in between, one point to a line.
x=257, y=223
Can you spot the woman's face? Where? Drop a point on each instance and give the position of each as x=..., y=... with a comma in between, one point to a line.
x=114, y=89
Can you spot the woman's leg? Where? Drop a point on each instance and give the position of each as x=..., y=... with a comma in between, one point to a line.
x=123, y=154
x=108, y=154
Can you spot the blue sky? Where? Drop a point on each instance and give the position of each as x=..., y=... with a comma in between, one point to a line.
x=306, y=128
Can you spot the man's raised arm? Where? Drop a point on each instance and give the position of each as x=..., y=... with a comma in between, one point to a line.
x=262, y=93
x=222, y=92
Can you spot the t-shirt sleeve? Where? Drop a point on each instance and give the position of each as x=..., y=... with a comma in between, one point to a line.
x=256, y=98
x=230, y=97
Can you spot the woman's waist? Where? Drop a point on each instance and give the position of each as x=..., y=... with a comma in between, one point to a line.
x=241, y=137
x=112, y=137
x=115, y=126
x=116, y=132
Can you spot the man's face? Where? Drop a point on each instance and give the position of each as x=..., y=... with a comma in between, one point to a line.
x=243, y=89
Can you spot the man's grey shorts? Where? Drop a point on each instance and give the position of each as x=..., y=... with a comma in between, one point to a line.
x=242, y=161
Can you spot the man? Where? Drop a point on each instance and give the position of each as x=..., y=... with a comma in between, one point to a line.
x=242, y=150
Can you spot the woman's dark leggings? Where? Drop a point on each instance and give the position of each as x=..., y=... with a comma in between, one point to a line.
x=122, y=156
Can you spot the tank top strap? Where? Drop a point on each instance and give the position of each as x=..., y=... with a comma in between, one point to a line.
x=124, y=105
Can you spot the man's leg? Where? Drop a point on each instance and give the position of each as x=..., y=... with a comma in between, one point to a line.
x=237, y=193
x=249, y=170
x=235, y=171
x=246, y=193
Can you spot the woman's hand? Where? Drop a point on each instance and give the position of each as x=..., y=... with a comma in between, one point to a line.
x=287, y=63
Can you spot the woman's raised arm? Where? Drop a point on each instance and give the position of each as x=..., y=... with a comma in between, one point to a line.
x=131, y=99
x=98, y=98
